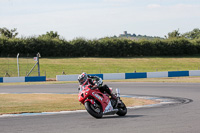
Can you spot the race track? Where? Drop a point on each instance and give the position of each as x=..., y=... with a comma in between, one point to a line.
x=176, y=118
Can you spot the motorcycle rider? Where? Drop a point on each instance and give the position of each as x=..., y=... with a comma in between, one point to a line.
x=96, y=82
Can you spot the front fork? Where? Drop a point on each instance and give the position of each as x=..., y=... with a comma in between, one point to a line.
x=118, y=92
x=119, y=102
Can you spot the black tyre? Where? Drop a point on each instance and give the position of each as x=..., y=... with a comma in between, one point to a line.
x=122, y=110
x=95, y=111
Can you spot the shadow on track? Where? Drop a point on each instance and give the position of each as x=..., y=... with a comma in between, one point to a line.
x=121, y=117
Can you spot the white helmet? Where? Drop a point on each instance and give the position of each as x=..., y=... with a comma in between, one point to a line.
x=82, y=78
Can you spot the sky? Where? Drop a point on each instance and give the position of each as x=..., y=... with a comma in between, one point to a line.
x=93, y=19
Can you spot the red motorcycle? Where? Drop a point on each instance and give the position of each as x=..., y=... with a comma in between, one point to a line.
x=98, y=104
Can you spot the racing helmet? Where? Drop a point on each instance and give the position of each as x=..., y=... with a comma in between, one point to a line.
x=82, y=78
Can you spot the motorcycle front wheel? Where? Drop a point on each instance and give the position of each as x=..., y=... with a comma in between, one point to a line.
x=95, y=111
x=122, y=110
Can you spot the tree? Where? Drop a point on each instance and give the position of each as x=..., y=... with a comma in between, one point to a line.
x=134, y=35
x=51, y=34
x=194, y=34
x=173, y=34
x=8, y=33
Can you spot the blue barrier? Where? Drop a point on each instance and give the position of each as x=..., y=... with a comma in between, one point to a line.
x=99, y=75
x=178, y=73
x=110, y=76
x=135, y=75
x=35, y=78
x=1, y=79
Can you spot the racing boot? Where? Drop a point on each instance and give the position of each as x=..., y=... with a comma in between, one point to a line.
x=117, y=100
x=113, y=96
x=113, y=100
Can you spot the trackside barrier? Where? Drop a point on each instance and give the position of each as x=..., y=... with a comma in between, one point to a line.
x=113, y=76
x=67, y=77
x=22, y=79
x=135, y=75
x=73, y=77
x=13, y=79
x=157, y=74
x=194, y=73
x=35, y=79
x=178, y=74
x=1, y=80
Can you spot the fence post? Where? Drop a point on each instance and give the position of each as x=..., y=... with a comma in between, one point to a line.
x=38, y=55
x=18, y=63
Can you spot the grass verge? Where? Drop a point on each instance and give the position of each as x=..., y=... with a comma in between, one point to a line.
x=56, y=66
x=34, y=103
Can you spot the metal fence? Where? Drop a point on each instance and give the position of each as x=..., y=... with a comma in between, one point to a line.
x=9, y=67
x=51, y=67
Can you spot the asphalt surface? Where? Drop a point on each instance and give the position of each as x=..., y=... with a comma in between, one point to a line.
x=175, y=118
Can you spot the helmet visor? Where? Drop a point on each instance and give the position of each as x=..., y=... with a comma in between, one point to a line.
x=82, y=80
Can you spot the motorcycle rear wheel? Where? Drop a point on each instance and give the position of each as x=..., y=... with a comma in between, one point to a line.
x=94, y=111
x=122, y=110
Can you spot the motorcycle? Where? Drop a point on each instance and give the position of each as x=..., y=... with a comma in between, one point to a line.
x=98, y=104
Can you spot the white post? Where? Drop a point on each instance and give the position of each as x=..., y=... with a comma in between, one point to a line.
x=18, y=63
x=38, y=55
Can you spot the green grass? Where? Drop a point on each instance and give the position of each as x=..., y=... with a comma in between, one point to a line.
x=55, y=66
x=29, y=103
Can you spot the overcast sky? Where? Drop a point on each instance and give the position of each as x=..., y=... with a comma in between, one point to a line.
x=93, y=19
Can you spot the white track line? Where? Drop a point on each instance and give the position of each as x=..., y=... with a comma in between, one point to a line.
x=159, y=99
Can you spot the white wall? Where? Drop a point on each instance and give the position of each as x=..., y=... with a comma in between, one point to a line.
x=111, y=76
x=67, y=77
x=157, y=74
x=13, y=79
x=194, y=73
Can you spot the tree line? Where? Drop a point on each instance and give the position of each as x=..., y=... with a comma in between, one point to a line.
x=51, y=45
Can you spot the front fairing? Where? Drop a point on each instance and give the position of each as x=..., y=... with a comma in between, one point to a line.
x=103, y=99
x=84, y=92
